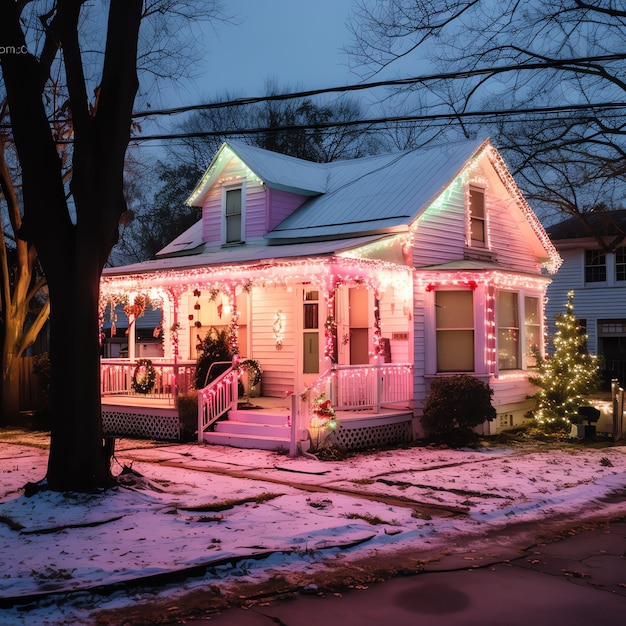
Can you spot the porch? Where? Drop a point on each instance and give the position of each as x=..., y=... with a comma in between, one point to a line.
x=372, y=405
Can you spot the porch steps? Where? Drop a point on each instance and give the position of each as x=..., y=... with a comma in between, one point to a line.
x=251, y=429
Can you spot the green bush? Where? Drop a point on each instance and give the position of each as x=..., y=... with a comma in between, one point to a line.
x=215, y=347
x=454, y=406
x=187, y=405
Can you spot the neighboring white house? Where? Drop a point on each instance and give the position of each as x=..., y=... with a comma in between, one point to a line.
x=363, y=279
x=593, y=250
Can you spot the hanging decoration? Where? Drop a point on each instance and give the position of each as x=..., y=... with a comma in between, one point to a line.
x=197, y=293
x=113, y=319
x=137, y=308
x=144, y=376
x=233, y=328
x=379, y=348
x=330, y=329
x=174, y=334
x=277, y=329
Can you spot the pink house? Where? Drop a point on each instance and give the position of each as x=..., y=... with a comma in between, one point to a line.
x=359, y=281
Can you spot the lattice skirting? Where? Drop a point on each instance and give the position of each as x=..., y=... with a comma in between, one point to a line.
x=160, y=427
x=364, y=437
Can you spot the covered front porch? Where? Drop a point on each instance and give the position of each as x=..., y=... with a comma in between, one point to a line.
x=372, y=404
x=332, y=326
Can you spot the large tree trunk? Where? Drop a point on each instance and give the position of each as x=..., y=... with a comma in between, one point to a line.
x=73, y=254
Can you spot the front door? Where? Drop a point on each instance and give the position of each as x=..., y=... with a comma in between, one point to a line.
x=354, y=309
x=311, y=314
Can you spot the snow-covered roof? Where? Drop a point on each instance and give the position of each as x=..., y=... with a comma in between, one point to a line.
x=248, y=253
x=378, y=193
x=348, y=200
x=277, y=171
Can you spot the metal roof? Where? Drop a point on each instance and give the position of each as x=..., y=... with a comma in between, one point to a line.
x=377, y=193
x=246, y=253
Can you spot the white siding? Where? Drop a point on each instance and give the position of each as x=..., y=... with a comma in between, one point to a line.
x=593, y=302
x=278, y=365
x=255, y=210
x=394, y=318
x=440, y=235
x=441, y=229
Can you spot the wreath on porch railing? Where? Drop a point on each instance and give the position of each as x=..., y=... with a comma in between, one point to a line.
x=144, y=376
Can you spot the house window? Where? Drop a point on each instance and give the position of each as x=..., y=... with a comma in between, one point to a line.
x=508, y=331
x=232, y=216
x=620, y=264
x=478, y=228
x=454, y=319
x=310, y=333
x=595, y=266
x=532, y=330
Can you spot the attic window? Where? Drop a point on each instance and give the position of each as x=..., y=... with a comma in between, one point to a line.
x=477, y=217
x=233, y=215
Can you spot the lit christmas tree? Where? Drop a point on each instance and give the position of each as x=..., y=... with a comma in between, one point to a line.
x=566, y=375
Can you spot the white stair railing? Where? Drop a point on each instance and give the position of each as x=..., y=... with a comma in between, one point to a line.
x=217, y=398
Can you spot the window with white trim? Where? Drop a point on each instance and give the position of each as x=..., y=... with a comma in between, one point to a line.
x=477, y=217
x=532, y=330
x=595, y=266
x=508, y=331
x=454, y=319
x=233, y=214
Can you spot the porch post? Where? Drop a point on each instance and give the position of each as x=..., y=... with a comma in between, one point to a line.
x=174, y=295
x=131, y=337
x=379, y=382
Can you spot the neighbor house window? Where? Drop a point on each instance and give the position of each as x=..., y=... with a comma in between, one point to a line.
x=232, y=216
x=595, y=266
x=478, y=228
x=620, y=264
x=508, y=331
x=532, y=330
x=454, y=319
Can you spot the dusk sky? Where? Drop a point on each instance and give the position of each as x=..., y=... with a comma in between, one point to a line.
x=296, y=43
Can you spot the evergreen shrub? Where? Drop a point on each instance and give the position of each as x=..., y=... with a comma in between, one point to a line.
x=454, y=406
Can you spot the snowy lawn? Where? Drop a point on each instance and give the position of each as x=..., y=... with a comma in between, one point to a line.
x=225, y=516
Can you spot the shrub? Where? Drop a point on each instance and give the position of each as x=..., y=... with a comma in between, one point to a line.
x=187, y=405
x=215, y=347
x=454, y=406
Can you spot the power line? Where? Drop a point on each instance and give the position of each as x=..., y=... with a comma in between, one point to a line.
x=400, y=82
x=606, y=106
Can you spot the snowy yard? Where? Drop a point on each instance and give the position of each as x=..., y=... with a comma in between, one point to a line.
x=231, y=516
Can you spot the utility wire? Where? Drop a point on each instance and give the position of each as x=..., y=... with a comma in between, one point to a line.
x=389, y=120
x=400, y=82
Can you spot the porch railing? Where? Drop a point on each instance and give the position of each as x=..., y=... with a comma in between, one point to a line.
x=354, y=388
x=363, y=387
x=217, y=398
x=172, y=379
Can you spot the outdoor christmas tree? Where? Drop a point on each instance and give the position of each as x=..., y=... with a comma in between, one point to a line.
x=566, y=375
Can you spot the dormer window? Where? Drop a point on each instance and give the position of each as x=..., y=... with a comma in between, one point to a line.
x=477, y=218
x=233, y=202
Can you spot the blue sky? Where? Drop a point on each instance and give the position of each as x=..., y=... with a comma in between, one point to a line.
x=295, y=42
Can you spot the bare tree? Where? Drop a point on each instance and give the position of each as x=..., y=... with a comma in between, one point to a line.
x=73, y=228
x=23, y=312
x=512, y=56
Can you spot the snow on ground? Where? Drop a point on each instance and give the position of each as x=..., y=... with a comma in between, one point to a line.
x=231, y=515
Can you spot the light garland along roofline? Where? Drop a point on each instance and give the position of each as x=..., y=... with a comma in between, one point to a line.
x=328, y=273
x=430, y=280
x=554, y=258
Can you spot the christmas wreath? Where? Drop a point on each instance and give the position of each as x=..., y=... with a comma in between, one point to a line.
x=144, y=376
